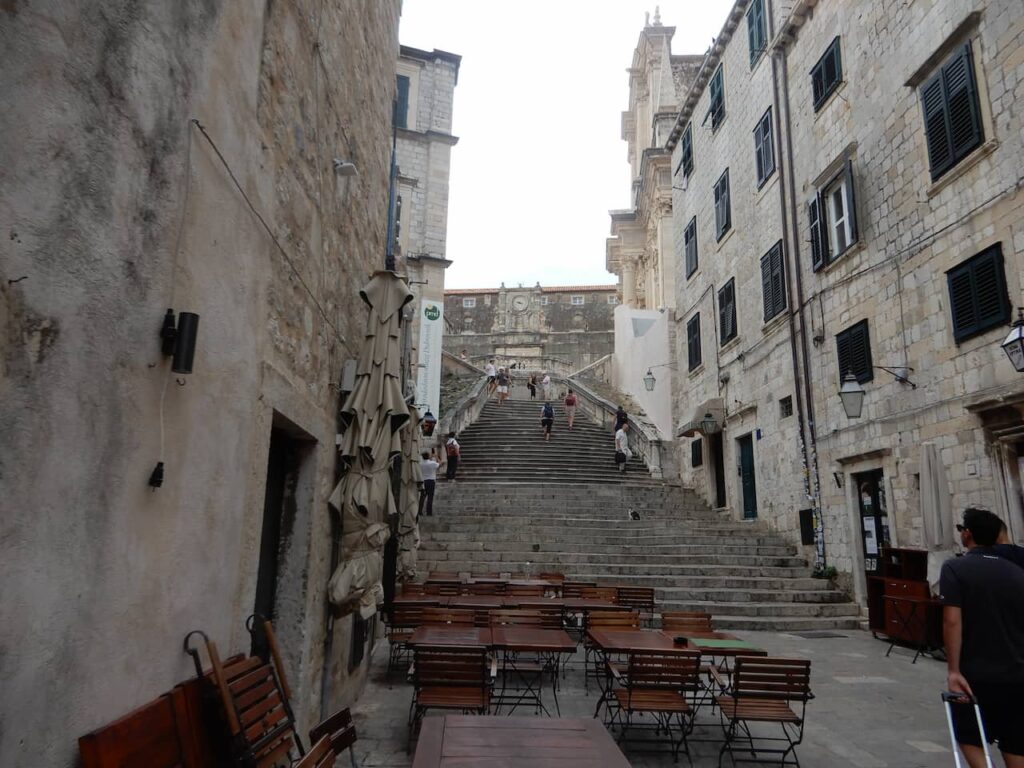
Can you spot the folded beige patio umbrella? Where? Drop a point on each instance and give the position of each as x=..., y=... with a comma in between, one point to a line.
x=372, y=416
x=409, y=500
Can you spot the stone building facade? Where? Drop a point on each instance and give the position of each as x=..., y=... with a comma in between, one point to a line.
x=426, y=83
x=859, y=234
x=560, y=328
x=115, y=206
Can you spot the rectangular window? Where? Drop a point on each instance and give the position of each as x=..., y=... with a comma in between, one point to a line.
x=727, y=312
x=764, y=152
x=577, y=301
x=978, y=298
x=773, y=282
x=697, y=453
x=786, y=407
x=723, y=210
x=402, y=102
x=468, y=303
x=613, y=299
x=690, y=246
x=544, y=301
x=854, y=348
x=717, y=107
x=686, y=152
x=756, y=34
x=832, y=215
x=693, y=342
x=827, y=74
x=952, y=119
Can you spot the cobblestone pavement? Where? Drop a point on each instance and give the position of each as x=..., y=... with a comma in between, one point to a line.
x=869, y=711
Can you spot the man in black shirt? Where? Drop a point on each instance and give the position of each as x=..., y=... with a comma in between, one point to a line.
x=983, y=627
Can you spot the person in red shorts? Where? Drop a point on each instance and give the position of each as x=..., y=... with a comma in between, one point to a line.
x=983, y=628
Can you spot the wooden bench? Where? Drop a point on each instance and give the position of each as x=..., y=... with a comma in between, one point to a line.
x=765, y=690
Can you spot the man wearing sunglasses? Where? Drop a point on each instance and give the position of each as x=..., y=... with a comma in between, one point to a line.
x=983, y=628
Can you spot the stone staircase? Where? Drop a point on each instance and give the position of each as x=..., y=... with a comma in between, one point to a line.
x=523, y=505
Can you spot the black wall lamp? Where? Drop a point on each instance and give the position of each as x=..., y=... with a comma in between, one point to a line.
x=179, y=339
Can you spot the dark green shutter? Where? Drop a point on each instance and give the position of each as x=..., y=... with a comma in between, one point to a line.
x=690, y=246
x=819, y=235
x=727, y=206
x=755, y=30
x=727, y=312
x=773, y=283
x=693, y=342
x=851, y=202
x=402, y=102
x=687, y=151
x=854, y=352
x=696, y=453
x=933, y=101
x=962, y=101
x=977, y=294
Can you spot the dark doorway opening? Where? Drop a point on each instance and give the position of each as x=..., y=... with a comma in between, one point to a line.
x=874, y=518
x=718, y=467
x=748, y=481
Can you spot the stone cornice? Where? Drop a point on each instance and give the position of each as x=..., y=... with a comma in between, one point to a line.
x=431, y=136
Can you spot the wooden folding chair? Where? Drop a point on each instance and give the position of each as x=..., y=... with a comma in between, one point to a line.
x=605, y=594
x=593, y=661
x=765, y=690
x=402, y=623
x=484, y=588
x=442, y=588
x=340, y=731
x=686, y=621
x=412, y=588
x=320, y=756
x=463, y=617
x=525, y=590
x=455, y=679
x=661, y=685
x=575, y=588
x=638, y=598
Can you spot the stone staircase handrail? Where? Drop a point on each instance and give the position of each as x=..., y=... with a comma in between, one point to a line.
x=644, y=438
x=592, y=366
x=454, y=361
x=465, y=411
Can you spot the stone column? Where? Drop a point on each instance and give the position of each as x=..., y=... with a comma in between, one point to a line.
x=629, y=281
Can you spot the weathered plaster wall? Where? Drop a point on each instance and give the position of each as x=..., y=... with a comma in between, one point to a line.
x=102, y=577
x=642, y=340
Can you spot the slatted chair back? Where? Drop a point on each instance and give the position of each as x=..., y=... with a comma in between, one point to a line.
x=525, y=590
x=338, y=728
x=255, y=699
x=463, y=617
x=443, y=576
x=556, y=576
x=613, y=620
x=763, y=677
x=686, y=621
x=520, y=618
x=640, y=598
x=575, y=588
x=605, y=594
x=489, y=575
x=441, y=666
x=484, y=588
x=677, y=671
x=442, y=588
x=406, y=616
x=320, y=756
x=413, y=588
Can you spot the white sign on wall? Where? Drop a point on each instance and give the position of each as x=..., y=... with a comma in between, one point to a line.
x=428, y=375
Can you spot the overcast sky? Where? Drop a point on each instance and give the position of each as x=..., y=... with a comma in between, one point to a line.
x=540, y=161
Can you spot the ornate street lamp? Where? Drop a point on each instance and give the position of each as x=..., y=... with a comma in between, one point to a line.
x=708, y=425
x=649, y=381
x=427, y=423
x=852, y=395
x=1013, y=345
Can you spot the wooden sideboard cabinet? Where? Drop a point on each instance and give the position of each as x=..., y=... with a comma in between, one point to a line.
x=900, y=605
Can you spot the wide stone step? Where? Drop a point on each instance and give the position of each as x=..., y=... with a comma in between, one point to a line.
x=641, y=538
x=786, y=623
x=609, y=546
x=667, y=583
x=832, y=610
x=481, y=557
x=676, y=595
x=617, y=573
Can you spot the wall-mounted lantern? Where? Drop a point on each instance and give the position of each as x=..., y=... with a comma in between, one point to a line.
x=428, y=423
x=1013, y=345
x=852, y=395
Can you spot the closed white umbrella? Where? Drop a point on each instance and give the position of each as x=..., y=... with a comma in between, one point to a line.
x=936, y=512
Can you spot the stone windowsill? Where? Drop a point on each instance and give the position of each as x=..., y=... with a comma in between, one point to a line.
x=963, y=167
x=719, y=244
x=775, y=323
x=828, y=101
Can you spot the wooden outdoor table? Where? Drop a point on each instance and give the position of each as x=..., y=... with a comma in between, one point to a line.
x=482, y=601
x=461, y=741
x=549, y=643
x=631, y=640
x=422, y=600
x=447, y=634
x=719, y=645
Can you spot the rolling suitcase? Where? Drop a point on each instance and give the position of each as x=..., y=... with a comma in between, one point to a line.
x=962, y=698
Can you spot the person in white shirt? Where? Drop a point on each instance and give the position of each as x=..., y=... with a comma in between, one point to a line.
x=492, y=377
x=452, y=453
x=545, y=385
x=428, y=467
x=622, y=452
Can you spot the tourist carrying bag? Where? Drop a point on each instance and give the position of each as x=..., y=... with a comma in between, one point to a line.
x=949, y=699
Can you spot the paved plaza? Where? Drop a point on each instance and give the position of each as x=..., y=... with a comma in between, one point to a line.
x=869, y=711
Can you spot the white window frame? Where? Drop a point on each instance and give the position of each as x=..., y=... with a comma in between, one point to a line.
x=838, y=223
x=544, y=301
x=468, y=302
x=613, y=299
x=578, y=301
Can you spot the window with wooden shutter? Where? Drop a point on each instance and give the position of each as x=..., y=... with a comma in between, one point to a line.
x=693, y=358
x=773, y=282
x=402, y=102
x=978, y=298
x=952, y=118
x=717, y=105
x=756, y=34
x=819, y=237
x=727, y=312
x=764, y=153
x=827, y=74
x=690, y=246
x=686, y=150
x=697, y=453
x=723, y=211
x=854, y=348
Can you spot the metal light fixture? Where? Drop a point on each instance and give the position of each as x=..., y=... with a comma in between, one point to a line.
x=1013, y=345
x=852, y=395
x=708, y=425
x=649, y=381
x=179, y=339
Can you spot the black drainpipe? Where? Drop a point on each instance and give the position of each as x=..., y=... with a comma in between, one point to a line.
x=792, y=251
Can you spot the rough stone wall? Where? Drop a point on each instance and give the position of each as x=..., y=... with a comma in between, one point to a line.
x=102, y=576
x=912, y=232
x=753, y=371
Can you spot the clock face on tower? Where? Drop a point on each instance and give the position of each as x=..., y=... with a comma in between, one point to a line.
x=520, y=303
